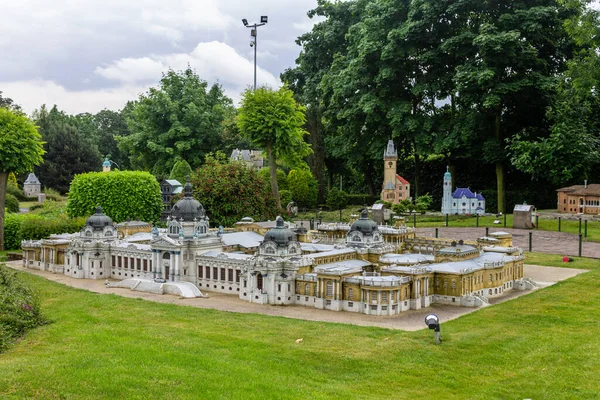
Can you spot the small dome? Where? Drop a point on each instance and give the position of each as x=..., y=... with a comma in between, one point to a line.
x=447, y=174
x=187, y=208
x=106, y=163
x=99, y=220
x=280, y=234
x=364, y=224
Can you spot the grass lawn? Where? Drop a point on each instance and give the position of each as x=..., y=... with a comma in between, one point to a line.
x=27, y=204
x=541, y=346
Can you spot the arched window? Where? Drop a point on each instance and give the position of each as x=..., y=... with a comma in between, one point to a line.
x=350, y=294
x=270, y=250
x=88, y=233
x=307, y=289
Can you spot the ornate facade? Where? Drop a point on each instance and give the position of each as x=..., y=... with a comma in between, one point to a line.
x=363, y=271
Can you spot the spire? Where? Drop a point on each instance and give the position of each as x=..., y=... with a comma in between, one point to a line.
x=390, y=150
x=187, y=189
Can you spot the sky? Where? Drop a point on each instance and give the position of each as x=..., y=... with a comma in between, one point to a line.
x=87, y=55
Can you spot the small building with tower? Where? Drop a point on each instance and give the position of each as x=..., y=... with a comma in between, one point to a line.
x=462, y=201
x=395, y=188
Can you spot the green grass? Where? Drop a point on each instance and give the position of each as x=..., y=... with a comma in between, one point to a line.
x=555, y=260
x=543, y=345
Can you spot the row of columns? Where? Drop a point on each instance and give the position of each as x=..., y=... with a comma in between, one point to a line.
x=158, y=270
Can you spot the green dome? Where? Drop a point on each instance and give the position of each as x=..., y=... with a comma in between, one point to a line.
x=364, y=224
x=280, y=234
x=99, y=220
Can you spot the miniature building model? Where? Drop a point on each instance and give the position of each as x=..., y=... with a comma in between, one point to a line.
x=357, y=271
x=395, y=187
x=579, y=199
x=252, y=158
x=32, y=186
x=169, y=189
x=462, y=201
x=106, y=165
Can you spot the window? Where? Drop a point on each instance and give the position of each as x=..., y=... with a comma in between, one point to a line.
x=350, y=304
x=384, y=296
x=222, y=277
x=237, y=276
x=200, y=271
x=207, y=269
x=329, y=288
x=139, y=264
x=119, y=261
x=270, y=250
x=490, y=277
x=215, y=273
x=259, y=281
x=453, y=284
x=406, y=292
x=145, y=265
x=113, y=261
x=279, y=287
x=307, y=289
x=350, y=294
x=230, y=275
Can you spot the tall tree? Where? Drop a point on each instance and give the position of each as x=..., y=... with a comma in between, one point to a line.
x=181, y=119
x=510, y=76
x=7, y=102
x=68, y=153
x=274, y=121
x=21, y=149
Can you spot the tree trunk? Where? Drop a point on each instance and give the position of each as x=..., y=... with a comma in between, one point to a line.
x=273, y=171
x=369, y=179
x=452, y=170
x=417, y=182
x=500, y=184
x=3, y=181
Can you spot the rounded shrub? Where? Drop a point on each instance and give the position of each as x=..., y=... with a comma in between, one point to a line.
x=304, y=187
x=11, y=204
x=123, y=195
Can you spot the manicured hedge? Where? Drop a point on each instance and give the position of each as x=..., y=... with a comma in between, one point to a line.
x=18, y=227
x=19, y=307
x=123, y=195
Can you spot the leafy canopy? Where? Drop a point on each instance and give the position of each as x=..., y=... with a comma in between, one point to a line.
x=21, y=146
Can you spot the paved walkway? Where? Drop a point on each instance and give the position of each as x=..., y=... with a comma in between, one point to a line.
x=543, y=241
x=409, y=321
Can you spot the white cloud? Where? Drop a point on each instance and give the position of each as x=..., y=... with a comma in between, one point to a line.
x=214, y=62
x=32, y=94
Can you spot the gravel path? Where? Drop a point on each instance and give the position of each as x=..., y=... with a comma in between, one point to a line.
x=409, y=321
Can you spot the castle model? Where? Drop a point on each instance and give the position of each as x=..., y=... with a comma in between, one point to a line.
x=359, y=267
x=462, y=200
x=395, y=187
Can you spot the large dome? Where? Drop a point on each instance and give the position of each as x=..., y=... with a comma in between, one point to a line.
x=98, y=221
x=187, y=208
x=280, y=234
x=364, y=224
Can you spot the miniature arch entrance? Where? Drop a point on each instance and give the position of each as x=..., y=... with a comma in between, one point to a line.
x=166, y=264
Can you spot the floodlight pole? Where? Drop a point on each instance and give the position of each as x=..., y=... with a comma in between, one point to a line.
x=254, y=42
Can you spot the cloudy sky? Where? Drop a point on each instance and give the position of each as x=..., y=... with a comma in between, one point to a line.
x=86, y=55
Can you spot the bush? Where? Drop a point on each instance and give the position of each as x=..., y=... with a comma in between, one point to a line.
x=12, y=231
x=53, y=195
x=18, y=193
x=423, y=203
x=18, y=227
x=402, y=207
x=180, y=171
x=304, y=187
x=361, y=199
x=337, y=199
x=19, y=307
x=286, y=197
x=11, y=204
x=123, y=195
x=282, y=184
x=230, y=192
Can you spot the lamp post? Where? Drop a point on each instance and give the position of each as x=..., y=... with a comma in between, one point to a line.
x=254, y=36
x=433, y=322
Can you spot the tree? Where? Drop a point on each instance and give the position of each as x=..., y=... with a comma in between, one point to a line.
x=229, y=192
x=68, y=153
x=181, y=171
x=274, y=121
x=337, y=199
x=181, y=119
x=111, y=125
x=7, y=102
x=304, y=187
x=21, y=148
